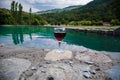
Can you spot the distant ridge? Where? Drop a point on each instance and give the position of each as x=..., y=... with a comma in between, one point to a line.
x=59, y=10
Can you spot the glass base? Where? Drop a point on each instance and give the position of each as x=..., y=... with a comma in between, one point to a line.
x=59, y=51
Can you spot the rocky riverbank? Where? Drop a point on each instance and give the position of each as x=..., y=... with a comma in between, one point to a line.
x=22, y=63
x=101, y=30
x=115, y=32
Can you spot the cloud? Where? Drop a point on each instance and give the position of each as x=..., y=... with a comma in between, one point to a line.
x=58, y=3
x=25, y=4
x=5, y=4
x=38, y=5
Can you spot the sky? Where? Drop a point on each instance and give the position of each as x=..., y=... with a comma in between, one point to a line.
x=40, y=5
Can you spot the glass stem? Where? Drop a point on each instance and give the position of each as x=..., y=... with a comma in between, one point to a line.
x=59, y=44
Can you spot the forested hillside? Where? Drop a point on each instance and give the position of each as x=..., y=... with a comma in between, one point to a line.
x=94, y=12
x=59, y=10
x=18, y=17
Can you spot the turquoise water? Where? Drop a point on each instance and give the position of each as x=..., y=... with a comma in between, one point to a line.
x=43, y=37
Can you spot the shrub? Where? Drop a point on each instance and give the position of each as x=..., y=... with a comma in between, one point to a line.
x=43, y=22
x=35, y=22
x=73, y=23
x=86, y=22
x=97, y=23
x=115, y=22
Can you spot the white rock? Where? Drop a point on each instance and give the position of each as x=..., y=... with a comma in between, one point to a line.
x=58, y=71
x=92, y=71
x=34, y=68
x=54, y=56
x=85, y=68
x=11, y=69
x=82, y=57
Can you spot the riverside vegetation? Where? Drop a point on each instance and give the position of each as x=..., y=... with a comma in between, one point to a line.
x=94, y=13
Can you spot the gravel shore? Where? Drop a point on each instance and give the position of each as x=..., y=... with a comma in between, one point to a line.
x=87, y=65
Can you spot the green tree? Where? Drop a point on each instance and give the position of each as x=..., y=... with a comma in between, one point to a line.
x=84, y=22
x=13, y=12
x=16, y=13
x=13, y=8
x=97, y=23
x=35, y=22
x=30, y=16
x=115, y=22
x=115, y=7
x=73, y=23
x=6, y=17
x=43, y=22
x=20, y=13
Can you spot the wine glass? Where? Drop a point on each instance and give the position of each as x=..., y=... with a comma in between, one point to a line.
x=59, y=34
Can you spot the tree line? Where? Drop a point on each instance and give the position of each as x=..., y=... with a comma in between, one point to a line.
x=16, y=16
x=16, y=12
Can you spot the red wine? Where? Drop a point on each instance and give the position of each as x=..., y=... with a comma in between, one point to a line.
x=59, y=35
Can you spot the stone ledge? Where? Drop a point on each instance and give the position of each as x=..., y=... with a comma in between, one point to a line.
x=12, y=68
x=54, y=56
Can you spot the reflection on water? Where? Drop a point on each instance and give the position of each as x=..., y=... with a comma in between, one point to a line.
x=18, y=35
x=42, y=37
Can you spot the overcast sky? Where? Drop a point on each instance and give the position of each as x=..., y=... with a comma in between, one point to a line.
x=38, y=5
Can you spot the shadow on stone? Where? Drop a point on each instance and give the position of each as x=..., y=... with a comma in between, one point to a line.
x=50, y=78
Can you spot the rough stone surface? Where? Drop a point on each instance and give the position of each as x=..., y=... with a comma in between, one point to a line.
x=98, y=67
x=114, y=55
x=89, y=62
x=85, y=68
x=93, y=56
x=82, y=57
x=54, y=56
x=87, y=74
x=59, y=71
x=114, y=73
x=10, y=69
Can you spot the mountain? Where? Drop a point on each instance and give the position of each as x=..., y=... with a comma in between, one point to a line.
x=71, y=7
x=96, y=10
x=48, y=11
x=59, y=10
